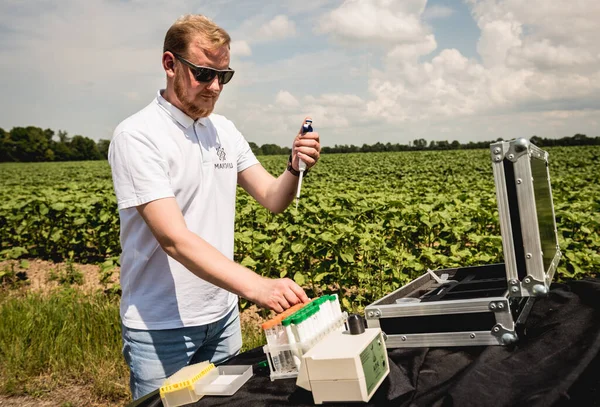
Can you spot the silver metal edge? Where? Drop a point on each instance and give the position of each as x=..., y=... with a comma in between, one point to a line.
x=525, y=311
x=557, y=256
x=442, y=339
x=510, y=263
x=553, y=267
x=373, y=323
x=528, y=219
x=538, y=152
x=437, y=308
x=506, y=319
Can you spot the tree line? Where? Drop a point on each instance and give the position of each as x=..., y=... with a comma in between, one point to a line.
x=422, y=144
x=33, y=144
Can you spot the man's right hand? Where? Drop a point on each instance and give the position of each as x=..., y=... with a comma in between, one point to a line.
x=278, y=294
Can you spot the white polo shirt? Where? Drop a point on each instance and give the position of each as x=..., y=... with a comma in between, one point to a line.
x=161, y=152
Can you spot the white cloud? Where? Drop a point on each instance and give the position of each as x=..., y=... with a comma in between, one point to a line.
x=524, y=67
x=544, y=55
x=85, y=65
x=498, y=37
x=278, y=28
x=334, y=115
x=240, y=49
x=382, y=77
x=336, y=100
x=409, y=52
x=286, y=99
x=375, y=21
x=565, y=31
x=437, y=12
x=527, y=68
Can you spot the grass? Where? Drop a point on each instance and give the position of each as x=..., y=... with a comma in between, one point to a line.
x=68, y=338
x=69, y=276
x=64, y=337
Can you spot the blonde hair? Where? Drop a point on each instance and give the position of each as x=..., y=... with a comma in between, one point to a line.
x=188, y=27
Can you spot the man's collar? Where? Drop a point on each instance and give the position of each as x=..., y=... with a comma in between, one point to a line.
x=183, y=119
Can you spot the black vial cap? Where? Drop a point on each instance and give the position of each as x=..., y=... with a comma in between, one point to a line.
x=356, y=324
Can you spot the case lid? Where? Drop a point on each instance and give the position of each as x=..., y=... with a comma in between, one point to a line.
x=526, y=213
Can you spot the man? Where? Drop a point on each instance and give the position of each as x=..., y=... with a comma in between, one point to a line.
x=175, y=168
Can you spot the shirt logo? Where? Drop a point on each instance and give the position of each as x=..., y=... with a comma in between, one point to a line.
x=221, y=153
x=222, y=157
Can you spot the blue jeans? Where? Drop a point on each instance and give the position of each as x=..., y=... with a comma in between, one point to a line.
x=154, y=355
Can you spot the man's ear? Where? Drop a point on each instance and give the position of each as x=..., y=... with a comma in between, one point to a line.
x=168, y=62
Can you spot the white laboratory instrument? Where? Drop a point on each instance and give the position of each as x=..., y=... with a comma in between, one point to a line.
x=345, y=366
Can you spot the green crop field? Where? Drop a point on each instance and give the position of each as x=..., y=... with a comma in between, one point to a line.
x=366, y=224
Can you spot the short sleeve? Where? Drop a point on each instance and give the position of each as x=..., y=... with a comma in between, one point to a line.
x=140, y=173
x=245, y=156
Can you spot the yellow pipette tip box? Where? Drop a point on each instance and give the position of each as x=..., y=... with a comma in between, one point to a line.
x=191, y=383
x=179, y=389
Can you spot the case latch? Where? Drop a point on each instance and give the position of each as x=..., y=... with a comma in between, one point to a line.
x=504, y=336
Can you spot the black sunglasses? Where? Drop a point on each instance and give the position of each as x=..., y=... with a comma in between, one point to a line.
x=206, y=74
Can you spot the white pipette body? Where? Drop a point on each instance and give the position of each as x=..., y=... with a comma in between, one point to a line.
x=302, y=168
x=306, y=128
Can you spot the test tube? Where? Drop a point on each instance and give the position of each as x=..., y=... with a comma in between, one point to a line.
x=311, y=322
x=302, y=327
x=292, y=359
x=272, y=340
x=337, y=310
x=287, y=326
x=284, y=355
x=319, y=318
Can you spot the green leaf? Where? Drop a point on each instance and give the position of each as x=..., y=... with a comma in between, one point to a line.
x=59, y=206
x=299, y=278
x=298, y=247
x=24, y=264
x=347, y=255
x=320, y=276
x=43, y=210
x=56, y=236
x=248, y=262
x=79, y=221
x=327, y=237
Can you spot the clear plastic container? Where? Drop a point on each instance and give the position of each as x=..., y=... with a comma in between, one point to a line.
x=228, y=380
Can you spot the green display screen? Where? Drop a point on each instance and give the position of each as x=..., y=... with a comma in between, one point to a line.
x=374, y=362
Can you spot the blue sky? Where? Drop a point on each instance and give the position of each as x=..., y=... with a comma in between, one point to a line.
x=366, y=70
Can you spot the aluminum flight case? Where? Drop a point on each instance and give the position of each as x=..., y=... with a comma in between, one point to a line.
x=486, y=304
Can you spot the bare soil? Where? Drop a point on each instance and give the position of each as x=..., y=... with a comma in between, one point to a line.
x=39, y=274
x=67, y=396
x=44, y=276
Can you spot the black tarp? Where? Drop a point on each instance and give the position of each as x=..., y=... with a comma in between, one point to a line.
x=555, y=363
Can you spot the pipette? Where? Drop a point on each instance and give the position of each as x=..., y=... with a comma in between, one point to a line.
x=306, y=128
